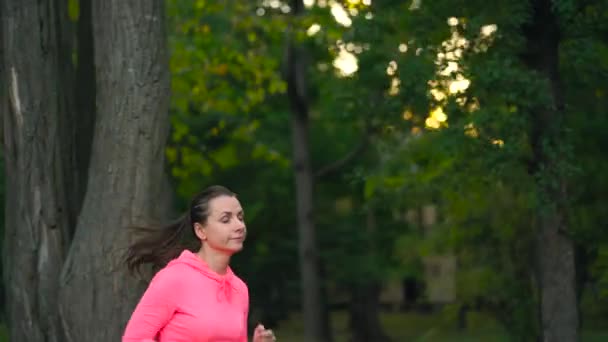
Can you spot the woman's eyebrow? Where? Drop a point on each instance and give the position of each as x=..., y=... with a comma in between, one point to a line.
x=240, y=212
x=230, y=212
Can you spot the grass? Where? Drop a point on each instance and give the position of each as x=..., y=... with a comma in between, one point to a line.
x=411, y=327
x=421, y=328
x=404, y=327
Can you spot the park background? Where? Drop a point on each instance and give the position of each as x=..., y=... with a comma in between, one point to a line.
x=410, y=170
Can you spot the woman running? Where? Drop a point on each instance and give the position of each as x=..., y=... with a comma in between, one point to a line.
x=195, y=296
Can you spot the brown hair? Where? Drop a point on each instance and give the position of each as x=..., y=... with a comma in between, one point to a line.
x=158, y=246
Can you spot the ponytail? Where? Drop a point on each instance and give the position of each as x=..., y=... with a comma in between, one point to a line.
x=159, y=245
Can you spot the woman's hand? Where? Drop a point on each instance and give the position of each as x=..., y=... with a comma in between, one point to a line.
x=261, y=334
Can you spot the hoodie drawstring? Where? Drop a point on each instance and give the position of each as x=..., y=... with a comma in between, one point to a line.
x=225, y=289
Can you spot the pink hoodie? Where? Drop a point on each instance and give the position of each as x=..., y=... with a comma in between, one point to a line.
x=187, y=301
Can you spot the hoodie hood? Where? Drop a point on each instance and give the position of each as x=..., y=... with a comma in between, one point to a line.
x=225, y=283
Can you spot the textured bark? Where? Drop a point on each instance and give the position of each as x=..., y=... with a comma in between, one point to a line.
x=309, y=271
x=37, y=222
x=555, y=249
x=126, y=168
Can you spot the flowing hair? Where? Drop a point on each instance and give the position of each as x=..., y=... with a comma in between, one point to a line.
x=159, y=245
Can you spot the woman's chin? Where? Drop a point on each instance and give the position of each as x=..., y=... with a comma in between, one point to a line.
x=238, y=247
x=235, y=246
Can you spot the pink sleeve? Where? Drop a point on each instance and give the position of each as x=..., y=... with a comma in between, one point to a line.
x=154, y=310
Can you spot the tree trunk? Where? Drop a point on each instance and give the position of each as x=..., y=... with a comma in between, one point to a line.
x=365, y=313
x=311, y=296
x=555, y=249
x=37, y=214
x=311, y=290
x=365, y=300
x=559, y=307
x=324, y=302
x=126, y=168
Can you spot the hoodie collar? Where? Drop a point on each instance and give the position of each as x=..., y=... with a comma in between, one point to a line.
x=225, y=281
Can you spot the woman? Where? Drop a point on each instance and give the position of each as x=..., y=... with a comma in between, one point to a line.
x=195, y=296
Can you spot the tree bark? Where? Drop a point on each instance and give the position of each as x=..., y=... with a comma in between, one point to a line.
x=311, y=296
x=37, y=219
x=126, y=168
x=364, y=307
x=311, y=290
x=365, y=313
x=555, y=249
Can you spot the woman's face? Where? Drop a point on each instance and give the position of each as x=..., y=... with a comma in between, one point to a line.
x=225, y=227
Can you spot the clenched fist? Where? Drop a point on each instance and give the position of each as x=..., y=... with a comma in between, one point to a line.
x=261, y=334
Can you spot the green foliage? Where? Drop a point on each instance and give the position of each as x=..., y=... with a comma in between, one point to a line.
x=73, y=10
x=229, y=128
x=583, y=60
x=476, y=167
x=223, y=72
x=230, y=118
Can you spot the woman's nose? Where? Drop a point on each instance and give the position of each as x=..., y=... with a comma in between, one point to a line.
x=240, y=225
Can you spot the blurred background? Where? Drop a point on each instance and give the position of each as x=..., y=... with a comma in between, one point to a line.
x=410, y=170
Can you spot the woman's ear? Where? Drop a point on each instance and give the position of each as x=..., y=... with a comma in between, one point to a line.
x=200, y=232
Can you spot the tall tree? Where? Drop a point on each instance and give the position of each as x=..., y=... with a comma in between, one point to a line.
x=50, y=128
x=126, y=171
x=555, y=249
x=37, y=220
x=309, y=267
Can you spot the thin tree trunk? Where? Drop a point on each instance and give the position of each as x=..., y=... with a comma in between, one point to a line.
x=37, y=219
x=311, y=289
x=365, y=300
x=324, y=302
x=311, y=296
x=555, y=249
x=126, y=168
x=559, y=308
x=365, y=313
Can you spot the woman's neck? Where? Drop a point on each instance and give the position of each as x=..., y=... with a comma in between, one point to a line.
x=217, y=262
